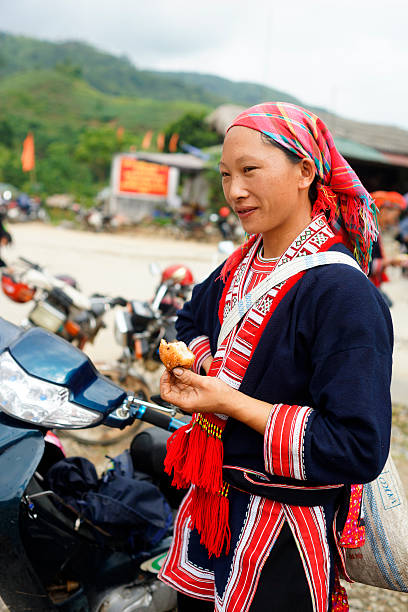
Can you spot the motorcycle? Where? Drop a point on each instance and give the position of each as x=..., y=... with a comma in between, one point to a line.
x=54, y=556
x=140, y=326
x=58, y=304
x=24, y=208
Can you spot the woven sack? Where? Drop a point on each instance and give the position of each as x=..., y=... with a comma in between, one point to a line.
x=383, y=560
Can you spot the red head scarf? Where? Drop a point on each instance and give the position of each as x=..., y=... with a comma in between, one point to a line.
x=340, y=192
x=389, y=198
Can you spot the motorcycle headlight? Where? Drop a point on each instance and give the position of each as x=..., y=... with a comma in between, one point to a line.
x=37, y=401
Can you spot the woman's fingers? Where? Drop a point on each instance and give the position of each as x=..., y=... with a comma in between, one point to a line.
x=182, y=388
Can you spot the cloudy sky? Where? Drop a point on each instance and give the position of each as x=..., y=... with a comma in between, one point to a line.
x=349, y=56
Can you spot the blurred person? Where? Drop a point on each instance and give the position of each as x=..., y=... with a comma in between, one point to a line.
x=5, y=236
x=224, y=224
x=294, y=412
x=390, y=205
x=402, y=235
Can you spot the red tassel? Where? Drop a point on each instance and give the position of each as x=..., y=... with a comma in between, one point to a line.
x=177, y=448
x=326, y=202
x=203, y=464
x=209, y=515
x=195, y=453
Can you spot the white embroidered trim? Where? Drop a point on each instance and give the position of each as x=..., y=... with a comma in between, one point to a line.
x=292, y=446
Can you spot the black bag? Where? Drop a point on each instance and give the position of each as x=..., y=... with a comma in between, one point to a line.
x=123, y=502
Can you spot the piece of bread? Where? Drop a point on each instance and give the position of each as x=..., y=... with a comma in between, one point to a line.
x=175, y=354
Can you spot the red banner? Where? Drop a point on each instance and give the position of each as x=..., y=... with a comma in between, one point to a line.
x=147, y=139
x=136, y=176
x=28, y=154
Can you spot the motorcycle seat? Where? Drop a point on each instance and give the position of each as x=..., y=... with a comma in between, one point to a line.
x=148, y=450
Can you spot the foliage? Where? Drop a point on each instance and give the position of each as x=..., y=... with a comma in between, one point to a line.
x=75, y=129
x=119, y=77
x=74, y=98
x=193, y=129
x=236, y=92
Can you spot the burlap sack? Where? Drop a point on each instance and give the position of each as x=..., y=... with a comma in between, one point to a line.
x=383, y=560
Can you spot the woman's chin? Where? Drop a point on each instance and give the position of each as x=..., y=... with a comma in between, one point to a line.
x=251, y=227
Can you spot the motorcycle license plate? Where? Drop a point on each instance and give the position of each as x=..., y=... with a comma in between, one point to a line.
x=154, y=564
x=46, y=316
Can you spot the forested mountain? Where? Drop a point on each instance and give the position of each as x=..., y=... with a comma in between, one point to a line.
x=119, y=77
x=83, y=104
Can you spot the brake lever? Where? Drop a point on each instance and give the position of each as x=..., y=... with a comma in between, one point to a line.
x=140, y=402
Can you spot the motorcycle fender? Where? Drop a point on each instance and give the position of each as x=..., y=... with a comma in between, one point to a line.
x=20, y=453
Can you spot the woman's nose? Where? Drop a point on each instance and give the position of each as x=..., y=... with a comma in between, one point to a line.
x=237, y=189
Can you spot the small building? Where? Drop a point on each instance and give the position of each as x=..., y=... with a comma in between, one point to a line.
x=141, y=182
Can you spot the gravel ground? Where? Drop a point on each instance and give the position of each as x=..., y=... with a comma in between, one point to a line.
x=95, y=262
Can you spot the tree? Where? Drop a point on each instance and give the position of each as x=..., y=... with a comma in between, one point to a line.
x=193, y=129
x=59, y=172
x=96, y=147
x=6, y=133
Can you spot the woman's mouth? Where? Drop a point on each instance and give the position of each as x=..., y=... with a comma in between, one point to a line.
x=243, y=213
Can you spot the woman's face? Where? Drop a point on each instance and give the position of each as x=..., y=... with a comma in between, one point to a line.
x=388, y=216
x=260, y=183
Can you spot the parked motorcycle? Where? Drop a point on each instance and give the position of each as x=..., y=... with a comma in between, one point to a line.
x=140, y=326
x=58, y=305
x=54, y=553
x=95, y=219
x=25, y=208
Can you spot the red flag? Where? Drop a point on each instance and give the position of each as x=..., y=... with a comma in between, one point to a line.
x=160, y=141
x=28, y=154
x=173, y=143
x=147, y=139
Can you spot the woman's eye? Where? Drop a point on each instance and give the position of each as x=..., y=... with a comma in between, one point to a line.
x=249, y=169
x=224, y=174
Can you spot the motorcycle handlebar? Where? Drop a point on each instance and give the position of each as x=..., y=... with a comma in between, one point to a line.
x=119, y=301
x=30, y=263
x=144, y=413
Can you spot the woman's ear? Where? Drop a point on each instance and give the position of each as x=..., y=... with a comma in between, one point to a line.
x=307, y=173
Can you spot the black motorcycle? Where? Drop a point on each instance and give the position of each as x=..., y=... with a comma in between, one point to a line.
x=69, y=540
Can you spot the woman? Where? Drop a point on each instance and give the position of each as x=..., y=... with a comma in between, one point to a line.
x=390, y=205
x=294, y=413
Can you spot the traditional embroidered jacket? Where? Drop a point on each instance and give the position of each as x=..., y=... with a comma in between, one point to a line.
x=318, y=348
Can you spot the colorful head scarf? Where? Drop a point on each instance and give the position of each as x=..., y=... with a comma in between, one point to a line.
x=391, y=199
x=340, y=193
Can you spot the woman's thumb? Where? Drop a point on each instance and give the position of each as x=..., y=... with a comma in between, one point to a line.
x=184, y=374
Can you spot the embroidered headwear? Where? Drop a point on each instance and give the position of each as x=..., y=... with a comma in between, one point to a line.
x=391, y=199
x=340, y=193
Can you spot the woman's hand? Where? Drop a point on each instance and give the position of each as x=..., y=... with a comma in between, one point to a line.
x=194, y=393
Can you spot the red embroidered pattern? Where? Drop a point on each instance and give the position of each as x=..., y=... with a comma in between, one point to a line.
x=201, y=349
x=233, y=356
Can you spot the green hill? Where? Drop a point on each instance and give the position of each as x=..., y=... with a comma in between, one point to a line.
x=74, y=98
x=238, y=92
x=58, y=101
x=119, y=77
